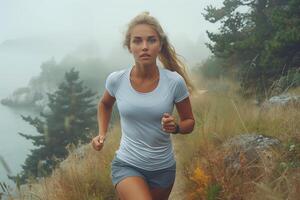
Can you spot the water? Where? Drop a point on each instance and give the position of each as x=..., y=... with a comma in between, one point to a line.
x=20, y=60
x=13, y=147
x=15, y=71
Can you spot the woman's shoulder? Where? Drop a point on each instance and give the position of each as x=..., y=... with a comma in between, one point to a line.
x=171, y=75
x=116, y=75
x=113, y=81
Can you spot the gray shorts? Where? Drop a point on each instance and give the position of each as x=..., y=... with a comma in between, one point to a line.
x=162, y=178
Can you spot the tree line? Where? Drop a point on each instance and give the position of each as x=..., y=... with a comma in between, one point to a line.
x=71, y=120
x=258, y=40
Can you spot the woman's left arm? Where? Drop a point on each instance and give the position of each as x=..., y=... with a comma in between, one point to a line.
x=186, y=122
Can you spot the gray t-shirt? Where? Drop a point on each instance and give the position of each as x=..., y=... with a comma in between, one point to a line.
x=143, y=143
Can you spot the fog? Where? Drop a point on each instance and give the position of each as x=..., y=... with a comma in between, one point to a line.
x=97, y=19
x=45, y=27
x=34, y=31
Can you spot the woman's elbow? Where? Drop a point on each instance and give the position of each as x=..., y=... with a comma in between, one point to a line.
x=192, y=125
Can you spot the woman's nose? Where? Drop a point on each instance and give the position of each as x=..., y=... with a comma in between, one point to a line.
x=145, y=45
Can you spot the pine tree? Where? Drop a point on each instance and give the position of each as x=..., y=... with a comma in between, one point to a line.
x=258, y=38
x=71, y=118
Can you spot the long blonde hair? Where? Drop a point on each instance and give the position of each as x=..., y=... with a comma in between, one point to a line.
x=167, y=56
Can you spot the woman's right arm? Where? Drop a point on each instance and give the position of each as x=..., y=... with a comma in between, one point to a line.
x=105, y=107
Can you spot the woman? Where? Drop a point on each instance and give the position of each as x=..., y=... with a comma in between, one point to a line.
x=144, y=166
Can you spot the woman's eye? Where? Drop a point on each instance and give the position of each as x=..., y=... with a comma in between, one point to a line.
x=152, y=40
x=136, y=41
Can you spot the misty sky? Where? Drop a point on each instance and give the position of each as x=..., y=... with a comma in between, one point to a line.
x=98, y=20
x=32, y=31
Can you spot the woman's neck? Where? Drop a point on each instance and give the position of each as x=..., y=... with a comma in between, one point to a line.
x=145, y=71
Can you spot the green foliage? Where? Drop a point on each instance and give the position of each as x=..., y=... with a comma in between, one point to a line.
x=261, y=39
x=291, y=155
x=212, y=68
x=213, y=192
x=92, y=71
x=291, y=79
x=71, y=119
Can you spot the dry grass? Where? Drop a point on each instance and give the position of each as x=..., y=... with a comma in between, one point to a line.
x=84, y=177
x=220, y=114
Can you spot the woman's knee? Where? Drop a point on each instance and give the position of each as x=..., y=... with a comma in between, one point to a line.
x=133, y=188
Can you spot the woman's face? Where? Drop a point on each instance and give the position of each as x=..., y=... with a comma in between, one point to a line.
x=144, y=44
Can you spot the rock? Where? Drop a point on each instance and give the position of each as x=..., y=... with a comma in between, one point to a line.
x=282, y=100
x=248, y=148
x=22, y=96
x=35, y=97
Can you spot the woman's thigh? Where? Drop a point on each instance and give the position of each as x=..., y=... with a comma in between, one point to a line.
x=161, y=182
x=133, y=188
x=161, y=193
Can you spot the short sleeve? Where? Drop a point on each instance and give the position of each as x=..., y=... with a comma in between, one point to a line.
x=181, y=90
x=110, y=83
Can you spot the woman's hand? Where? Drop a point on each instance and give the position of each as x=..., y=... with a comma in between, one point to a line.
x=168, y=123
x=98, y=142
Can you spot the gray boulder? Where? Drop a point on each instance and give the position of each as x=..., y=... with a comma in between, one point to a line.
x=282, y=100
x=247, y=149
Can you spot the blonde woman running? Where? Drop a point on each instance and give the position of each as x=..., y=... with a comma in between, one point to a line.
x=144, y=166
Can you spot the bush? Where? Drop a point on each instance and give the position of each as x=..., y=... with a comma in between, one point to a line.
x=290, y=80
x=212, y=68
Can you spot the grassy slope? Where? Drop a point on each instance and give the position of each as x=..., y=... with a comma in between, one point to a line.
x=220, y=114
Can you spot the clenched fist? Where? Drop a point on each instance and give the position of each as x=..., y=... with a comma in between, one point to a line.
x=168, y=123
x=98, y=142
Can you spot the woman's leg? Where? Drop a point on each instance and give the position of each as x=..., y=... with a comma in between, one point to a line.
x=133, y=188
x=161, y=193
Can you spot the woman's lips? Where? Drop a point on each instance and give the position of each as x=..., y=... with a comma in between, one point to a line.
x=145, y=56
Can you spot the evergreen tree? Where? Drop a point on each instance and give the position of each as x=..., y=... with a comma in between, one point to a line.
x=71, y=118
x=259, y=38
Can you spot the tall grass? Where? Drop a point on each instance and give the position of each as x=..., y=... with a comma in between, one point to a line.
x=220, y=114
x=84, y=177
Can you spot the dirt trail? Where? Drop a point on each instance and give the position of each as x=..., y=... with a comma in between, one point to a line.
x=177, y=191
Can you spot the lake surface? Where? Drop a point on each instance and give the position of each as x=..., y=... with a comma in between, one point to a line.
x=15, y=71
